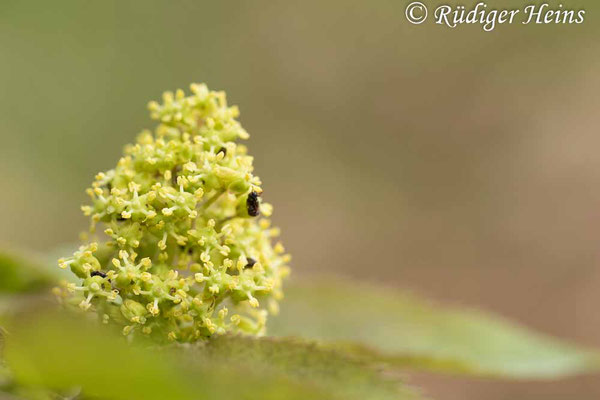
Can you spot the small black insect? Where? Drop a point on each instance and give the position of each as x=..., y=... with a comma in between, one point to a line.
x=222, y=150
x=174, y=173
x=98, y=273
x=251, y=262
x=253, y=205
x=172, y=291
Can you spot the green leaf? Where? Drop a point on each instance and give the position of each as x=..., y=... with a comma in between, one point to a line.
x=23, y=273
x=332, y=370
x=59, y=353
x=406, y=331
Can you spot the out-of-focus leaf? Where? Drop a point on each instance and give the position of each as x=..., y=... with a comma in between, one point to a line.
x=23, y=273
x=329, y=369
x=4, y=375
x=407, y=331
x=60, y=353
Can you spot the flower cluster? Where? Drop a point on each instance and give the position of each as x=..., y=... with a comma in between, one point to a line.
x=188, y=250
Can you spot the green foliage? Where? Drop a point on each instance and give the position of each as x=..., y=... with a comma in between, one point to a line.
x=20, y=274
x=332, y=340
x=56, y=352
x=331, y=369
x=410, y=332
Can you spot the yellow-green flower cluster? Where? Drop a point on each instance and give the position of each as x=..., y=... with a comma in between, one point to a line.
x=188, y=250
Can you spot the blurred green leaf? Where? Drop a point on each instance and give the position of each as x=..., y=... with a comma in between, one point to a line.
x=23, y=273
x=61, y=353
x=330, y=369
x=56, y=352
x=409, y=332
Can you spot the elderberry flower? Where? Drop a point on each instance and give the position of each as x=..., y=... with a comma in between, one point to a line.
x=186, y=253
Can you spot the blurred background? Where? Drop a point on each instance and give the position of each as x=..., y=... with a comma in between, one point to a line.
x=458, y=164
